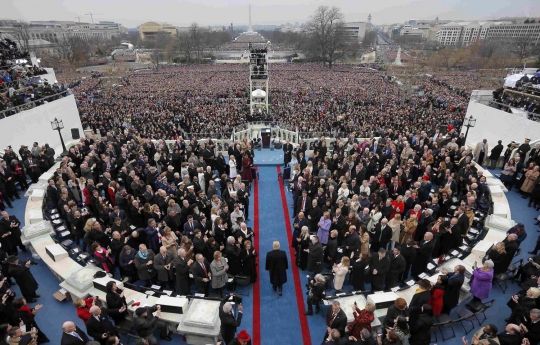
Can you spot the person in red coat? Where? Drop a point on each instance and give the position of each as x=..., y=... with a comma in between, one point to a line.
x=437, y=293
x=83, y=307
x=246, y=169
x=362, y=319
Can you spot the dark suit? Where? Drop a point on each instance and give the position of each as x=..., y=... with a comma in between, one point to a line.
x=53, y=194
x=189, y=228
x=96, y=328
x=409, y=254
x=452, y=292
x=277, y=265
x=423, y=255
x=397, y=267
x=68, y=339
x=315, y=258
x=287, y=153
x=509, y=339
x=10, y=242
x=182, y=276
x=383, y=267
x=533, y=332
x=228, y=322
x=298, y=206
x=381, y=237
x=199, y=274
x=339, y=322
x=463, y=223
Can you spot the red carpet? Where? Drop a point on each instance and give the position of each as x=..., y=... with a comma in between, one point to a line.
x=295, y=271
x=256, y=336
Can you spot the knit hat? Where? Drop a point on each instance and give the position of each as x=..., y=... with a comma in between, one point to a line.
x=243, y=336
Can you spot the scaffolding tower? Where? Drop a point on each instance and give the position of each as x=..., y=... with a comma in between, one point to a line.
x=258, y=79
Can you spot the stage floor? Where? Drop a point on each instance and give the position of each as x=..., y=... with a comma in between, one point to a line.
x=268, y=157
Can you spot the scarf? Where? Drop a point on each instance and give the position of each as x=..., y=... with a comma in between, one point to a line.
x=142, y=256
x=26, y=309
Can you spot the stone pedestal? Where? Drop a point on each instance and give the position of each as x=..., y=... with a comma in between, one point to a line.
x=499, y=223
x=201, y=323
x=80, y=282
x=37, y=229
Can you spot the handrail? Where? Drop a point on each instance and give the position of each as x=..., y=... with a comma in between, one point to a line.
x=530, y=116
x=29, y=105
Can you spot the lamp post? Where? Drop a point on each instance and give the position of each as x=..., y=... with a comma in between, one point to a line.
x=58, y=126
x=468, y=122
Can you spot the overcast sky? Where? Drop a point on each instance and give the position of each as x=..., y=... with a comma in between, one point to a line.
x=131, y=13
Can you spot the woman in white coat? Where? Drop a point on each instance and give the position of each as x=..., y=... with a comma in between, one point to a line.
x=376, y=216
x=340, y=271
x=232, y=165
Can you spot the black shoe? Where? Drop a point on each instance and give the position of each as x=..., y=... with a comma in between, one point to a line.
x=168, y=338
x=280, y=294
x=45, y=341
x=308, y=313
x=317, y=311
x=506, y=320
x=274, y=287
x=33, y=300
x=24, y=250
x=532, y=253
x=37, y=296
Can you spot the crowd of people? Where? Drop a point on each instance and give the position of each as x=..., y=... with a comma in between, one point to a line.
x=530, y=103
x=209, y=100
x=187, y=206
x=17, y=83
x=378, y=203
x=394, y=205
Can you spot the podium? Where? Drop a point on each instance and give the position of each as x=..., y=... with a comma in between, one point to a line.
x=266, y=133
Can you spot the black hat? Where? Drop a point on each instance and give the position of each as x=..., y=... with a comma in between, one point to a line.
x=363, y=194
x=140, y=311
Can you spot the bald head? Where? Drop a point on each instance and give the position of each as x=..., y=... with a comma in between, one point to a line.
x=68, y=326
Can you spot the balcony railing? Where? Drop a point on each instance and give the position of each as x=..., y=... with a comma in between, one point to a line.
x=30, y=105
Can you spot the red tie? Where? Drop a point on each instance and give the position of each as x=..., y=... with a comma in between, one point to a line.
x=204, y=269
x=332, y=321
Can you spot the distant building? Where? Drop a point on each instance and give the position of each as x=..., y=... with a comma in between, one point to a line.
x=357, y=30
x=465, y=33
x=149, y=30
x=46, y=33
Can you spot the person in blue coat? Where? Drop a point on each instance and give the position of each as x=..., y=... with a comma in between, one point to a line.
x=152, y=233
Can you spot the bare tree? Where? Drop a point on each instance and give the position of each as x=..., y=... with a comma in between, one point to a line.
x=184, y=45
x=22, y=36
x=197, y=37
x=488, y=49
x=326, y=28
x=523, y=46
x=158, y=46
x=74, y=49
